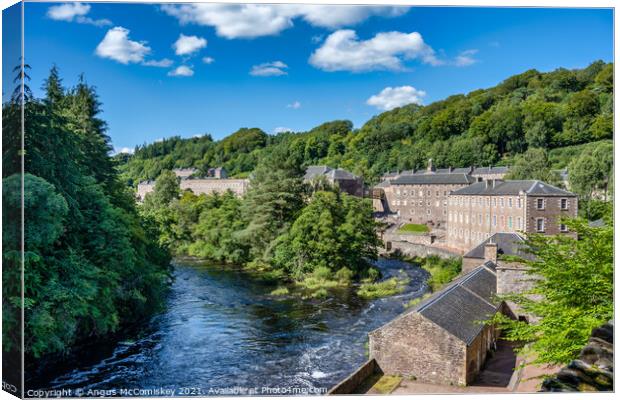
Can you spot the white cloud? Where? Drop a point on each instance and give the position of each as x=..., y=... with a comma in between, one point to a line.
x=163, y=63
x=75, y=12
x=186, y=45
x=182, y=70
x=392, y=97
x=117, y=46
x=281, y=129
x=125, y=150
x=343, y=51
x=208, y=60
x=275, y=68
x=254, y=20
x=466, y=58
x=294, y=105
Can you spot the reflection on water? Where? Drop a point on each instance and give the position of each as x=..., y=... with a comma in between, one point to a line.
x=222, y=329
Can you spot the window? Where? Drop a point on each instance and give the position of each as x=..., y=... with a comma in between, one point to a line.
x=428, y=203
x=428, y=212
x=404, y=192
x=404, y=202
x=437, y=193
x=421, y=193
x=519, y=203
x=519, y=223
x=428, y=192
x=479, y=219
x=540, y=204
x=540, y=224
x=510, y=202
x=413, y=211
x=445, y=193
x=397, y=202
x=509, y=222
x=501, y=202
x=495, y=220
x=564, y=204
x=563, y=228
x=398, y=192
x=494, y=202
x=393, y=202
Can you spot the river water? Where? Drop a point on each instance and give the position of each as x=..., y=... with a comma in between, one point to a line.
x=222, y=332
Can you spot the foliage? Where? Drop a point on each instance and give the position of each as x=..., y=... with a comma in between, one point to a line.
x=592, y=171
x=572, y=291
x=532, y=110
x=441, y=270
x=333, y=231
x=533, y=164
x=91, y=265
x=388, y=287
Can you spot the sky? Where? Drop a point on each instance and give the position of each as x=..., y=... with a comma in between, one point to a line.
x=190, y=69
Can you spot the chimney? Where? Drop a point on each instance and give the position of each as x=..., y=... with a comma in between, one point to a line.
x=430, y=167
x=490, y=252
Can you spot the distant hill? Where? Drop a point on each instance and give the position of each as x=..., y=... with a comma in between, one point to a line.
x=554, y=110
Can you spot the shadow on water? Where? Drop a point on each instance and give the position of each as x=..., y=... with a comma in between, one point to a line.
x=221, y=329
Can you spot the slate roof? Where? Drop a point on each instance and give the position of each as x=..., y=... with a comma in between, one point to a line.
x=490, y=170
x=316, y=170
x=460, y=307
x=334, y=173
x=510, y=244
x=433, y=179
x=531, y=187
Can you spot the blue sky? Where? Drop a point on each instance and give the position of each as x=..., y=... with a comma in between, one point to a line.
x=225, y=67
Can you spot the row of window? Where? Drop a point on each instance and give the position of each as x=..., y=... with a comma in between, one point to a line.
x=460, y=217
x=501, y=202
x=420, y=193
x=466, y=233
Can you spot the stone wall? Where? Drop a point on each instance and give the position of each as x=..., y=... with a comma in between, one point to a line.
x=414, y=347
x=353, y=381
x=208, y=186
x=550, y=213
x=419, y=250
x=477, y=352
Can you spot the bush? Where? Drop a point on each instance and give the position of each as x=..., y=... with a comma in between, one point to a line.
x=385, y=288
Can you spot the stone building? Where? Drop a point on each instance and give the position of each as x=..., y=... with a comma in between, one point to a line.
x=212, y=185
x=420, y=197
x=512, y=275
x=184, y=173
x=478, y=211
x=346, y=181
x=215, y=183
x=491, y=172
x=442, y=340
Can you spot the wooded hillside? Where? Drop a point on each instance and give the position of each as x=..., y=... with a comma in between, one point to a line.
x=550, y=111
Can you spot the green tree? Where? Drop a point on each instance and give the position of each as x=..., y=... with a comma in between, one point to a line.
x=533, y=164
x=572, y=293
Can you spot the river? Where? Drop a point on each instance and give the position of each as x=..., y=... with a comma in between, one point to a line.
x=222, y=331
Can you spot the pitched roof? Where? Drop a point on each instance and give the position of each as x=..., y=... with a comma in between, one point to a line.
x=508, y=243
x=316, y=170
x=433, y=179
x=490, y=170
x=334, y=173
x=460, y=307
x=500, y=187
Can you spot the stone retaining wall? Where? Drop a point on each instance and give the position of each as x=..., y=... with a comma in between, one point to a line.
x=353, y=381
x=419, y=250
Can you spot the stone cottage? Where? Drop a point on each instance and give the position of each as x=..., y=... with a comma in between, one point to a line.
x=442, y=340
